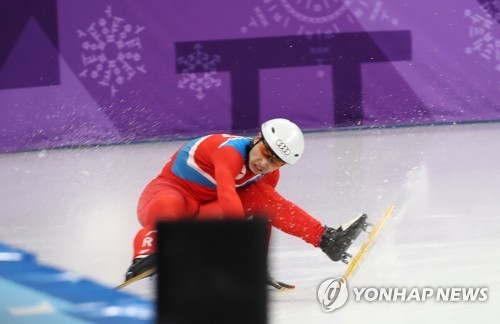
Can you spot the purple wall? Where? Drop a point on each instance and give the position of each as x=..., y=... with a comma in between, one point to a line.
x=89, y=72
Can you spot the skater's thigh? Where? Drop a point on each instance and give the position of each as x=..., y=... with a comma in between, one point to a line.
x=251, y=199
x=165, y=204
x=210, y=210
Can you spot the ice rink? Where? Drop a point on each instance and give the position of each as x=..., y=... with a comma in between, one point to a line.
x=75, y=209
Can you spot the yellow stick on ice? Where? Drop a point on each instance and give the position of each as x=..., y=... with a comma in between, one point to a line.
x=366, y=246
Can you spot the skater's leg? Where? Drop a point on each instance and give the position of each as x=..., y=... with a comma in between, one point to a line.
x=159, y=202
x=211, y=210
x=166, y=204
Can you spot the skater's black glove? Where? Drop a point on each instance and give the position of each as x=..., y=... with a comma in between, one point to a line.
x=327, y=243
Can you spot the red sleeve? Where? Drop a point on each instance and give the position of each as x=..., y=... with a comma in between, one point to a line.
x=227, y=165
x=289, y=217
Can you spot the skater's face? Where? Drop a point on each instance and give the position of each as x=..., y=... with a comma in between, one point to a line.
x=261, y=158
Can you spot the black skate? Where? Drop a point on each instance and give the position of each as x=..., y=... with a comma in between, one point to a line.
x=141, y=268
x=335, y=242
x=277, y=284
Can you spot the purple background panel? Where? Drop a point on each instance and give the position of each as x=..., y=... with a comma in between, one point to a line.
x=92, y=72
x=292, y=97
x=28, y=38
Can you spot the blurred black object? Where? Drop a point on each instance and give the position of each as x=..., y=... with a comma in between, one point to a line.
x=212, y=272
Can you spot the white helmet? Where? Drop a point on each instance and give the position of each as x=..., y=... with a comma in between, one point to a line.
x=284, y=138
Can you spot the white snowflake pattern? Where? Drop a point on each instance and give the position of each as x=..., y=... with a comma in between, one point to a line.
x=484, y=42
x=309, y=17
x=191, y=80
x=113, y=49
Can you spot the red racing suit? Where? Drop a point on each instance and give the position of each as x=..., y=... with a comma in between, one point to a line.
x=208, y=177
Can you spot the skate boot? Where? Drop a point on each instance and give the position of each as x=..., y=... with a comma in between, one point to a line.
x=140, y=265
x=335, y=242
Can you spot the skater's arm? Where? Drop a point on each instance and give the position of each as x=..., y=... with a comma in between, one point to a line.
x=290, y=218
x=228, y=164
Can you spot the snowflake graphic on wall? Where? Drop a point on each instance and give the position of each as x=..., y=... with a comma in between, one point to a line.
x=492, y=8
x=485, y=43
x=112, y=51
x=308, y=17
x=317, y=18
x=193, y=81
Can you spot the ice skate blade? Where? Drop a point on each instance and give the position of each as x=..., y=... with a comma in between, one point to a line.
x=354, y=264
x=281, y=286
x=145, y=274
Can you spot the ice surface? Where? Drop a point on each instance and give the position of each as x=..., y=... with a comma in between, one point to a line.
x=76, y=209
